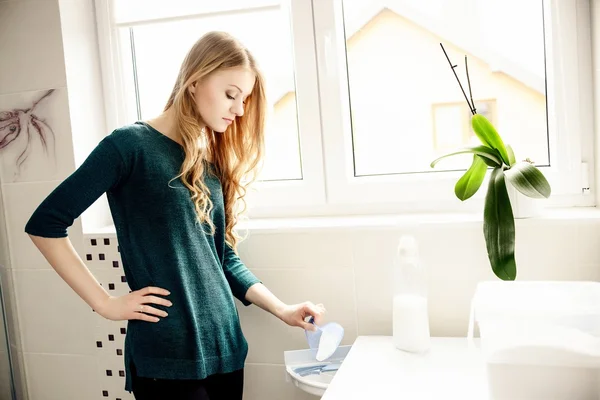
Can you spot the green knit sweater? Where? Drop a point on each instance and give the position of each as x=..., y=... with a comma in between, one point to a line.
x=161, y=244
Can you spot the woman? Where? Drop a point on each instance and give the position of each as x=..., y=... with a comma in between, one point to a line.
x=175, y=186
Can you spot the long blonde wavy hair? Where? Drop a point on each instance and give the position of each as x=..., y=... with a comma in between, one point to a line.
x=236, y=153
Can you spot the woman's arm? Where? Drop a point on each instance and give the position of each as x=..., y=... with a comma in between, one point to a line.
x=47, y=227
x=292, y=315
x=61, y=255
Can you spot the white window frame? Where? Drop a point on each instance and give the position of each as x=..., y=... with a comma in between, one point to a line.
x=568, y=38
x=270, y=195
x=328, y=186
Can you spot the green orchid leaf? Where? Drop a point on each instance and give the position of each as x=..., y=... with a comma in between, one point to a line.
x=529, y=180
x=511, y=155
x=499, y=228
x=486, y=132
x=490, y=154
x=471, y=181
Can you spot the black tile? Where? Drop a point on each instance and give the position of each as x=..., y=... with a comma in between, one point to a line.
x=115, y=264
x=123, y=279
x=108, y=372
x=98, y=344
x=88, y=257
x=123, y=331
x=119, y=352
x=111, y=286
x=111, y=338
x=105, y=393
x=101, y=257
x=121, y=373
x=107, y=242
x=94, y=243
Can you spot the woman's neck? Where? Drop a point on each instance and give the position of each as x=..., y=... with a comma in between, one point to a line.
x=165, y=124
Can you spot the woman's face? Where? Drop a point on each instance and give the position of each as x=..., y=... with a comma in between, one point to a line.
x=220, y=98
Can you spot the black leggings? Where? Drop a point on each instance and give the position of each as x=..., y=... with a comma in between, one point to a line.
x=228, y=386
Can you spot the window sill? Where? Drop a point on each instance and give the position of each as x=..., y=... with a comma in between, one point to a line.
x=389, y=221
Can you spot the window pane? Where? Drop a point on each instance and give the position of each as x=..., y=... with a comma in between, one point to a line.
x=158, y=49
x=407, y=107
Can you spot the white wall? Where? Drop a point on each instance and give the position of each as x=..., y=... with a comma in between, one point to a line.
x=347, y=269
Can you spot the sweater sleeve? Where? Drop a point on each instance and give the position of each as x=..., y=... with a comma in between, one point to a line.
x=240, y=278
x=102, y=171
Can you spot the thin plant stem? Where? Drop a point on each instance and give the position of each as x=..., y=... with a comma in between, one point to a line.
x=458, y=80
x=473, y=110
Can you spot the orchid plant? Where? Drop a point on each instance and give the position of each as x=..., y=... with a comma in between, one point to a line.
x=498, y=218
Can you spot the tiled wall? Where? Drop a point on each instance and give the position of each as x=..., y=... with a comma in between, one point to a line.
x=33, y=73
x=347, y=270
x=32, y=65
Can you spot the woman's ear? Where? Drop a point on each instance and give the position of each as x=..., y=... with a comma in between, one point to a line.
x=192, y=88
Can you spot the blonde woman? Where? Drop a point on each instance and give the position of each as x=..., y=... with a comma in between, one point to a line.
x=176, y=185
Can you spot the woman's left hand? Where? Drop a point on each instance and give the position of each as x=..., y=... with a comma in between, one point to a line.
x=295, y=314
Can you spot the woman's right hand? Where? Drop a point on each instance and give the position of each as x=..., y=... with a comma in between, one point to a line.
x=135, y=305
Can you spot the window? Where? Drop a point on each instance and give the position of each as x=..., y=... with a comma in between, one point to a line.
x=153, y=49
x=451, y=124
x=362, y=98
x=397, y=72
x=385, y=83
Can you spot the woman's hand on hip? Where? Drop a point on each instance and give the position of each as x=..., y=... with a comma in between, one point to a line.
x=136, y=305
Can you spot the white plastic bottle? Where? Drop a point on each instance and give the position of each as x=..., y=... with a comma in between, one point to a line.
x=410, y=310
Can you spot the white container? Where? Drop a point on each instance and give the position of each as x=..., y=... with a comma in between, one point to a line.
x=410, y=317
x=541, y=340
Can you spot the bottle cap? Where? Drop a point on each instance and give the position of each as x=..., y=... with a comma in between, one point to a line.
x=408, y=246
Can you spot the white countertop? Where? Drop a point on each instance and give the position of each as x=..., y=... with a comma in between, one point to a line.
x=375, y=369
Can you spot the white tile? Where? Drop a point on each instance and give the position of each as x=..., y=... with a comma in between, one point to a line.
x=36, y=142
x=4, y=252
x=53, y=317
x=5, y=378
x=109, y=377
x=442, y=244
x=58, y=376
x=21, y=201
x=8, y=293
x=268, y=337
x=110, y=343
x=33, y=57
x=373, y=257
x=19, y=374
x=267, y=382
x=455, y=257
x=450, y=283
x=297, y=250
x=101, y=252
x=558, y=250
x=3, y=318
x=451, y=288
